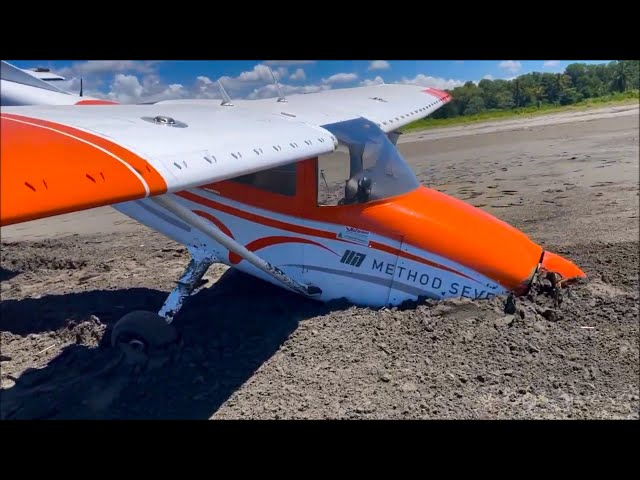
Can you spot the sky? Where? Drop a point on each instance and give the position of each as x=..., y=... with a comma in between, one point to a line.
x=133, y=81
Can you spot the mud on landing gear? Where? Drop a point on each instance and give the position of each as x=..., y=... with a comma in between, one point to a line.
x=148, y=332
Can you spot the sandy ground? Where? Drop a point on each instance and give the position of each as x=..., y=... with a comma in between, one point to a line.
x=570, y=181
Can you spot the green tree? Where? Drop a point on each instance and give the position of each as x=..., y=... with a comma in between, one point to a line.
x=504, y=100
x=579, y=81
x=619, y=80
x=633, y=73
x=475, y=105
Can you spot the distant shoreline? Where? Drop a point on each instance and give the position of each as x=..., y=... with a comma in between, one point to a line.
x=591, y=104
x=521, y=122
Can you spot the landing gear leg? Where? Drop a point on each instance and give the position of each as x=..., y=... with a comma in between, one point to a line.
x=146, y=331
x=185, y=287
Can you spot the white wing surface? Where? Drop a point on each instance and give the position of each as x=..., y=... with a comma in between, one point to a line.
x=62, y=158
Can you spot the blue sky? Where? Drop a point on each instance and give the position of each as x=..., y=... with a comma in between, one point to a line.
x=131, y=81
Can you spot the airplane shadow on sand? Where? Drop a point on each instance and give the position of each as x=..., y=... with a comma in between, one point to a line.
x=229, y=331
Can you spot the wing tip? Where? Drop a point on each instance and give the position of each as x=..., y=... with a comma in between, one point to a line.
x=442, y=95
x=96, y=102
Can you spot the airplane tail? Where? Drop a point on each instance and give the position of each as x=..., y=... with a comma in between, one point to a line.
x=21, y=87
x=18, y=87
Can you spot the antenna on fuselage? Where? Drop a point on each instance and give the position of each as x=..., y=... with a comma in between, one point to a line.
x=281, y=97
x=226, y=101
x=81, y=89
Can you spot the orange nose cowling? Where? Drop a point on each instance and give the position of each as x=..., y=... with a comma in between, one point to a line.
x=451, y=228
x=556, y=263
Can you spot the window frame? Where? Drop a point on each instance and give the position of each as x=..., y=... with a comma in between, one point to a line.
x=258, y=197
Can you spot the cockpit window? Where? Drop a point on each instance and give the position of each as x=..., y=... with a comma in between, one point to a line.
x=333, y=173
x=280, y=180
x=372, y=170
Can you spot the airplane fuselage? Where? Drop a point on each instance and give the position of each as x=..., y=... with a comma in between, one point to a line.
x=418, y=244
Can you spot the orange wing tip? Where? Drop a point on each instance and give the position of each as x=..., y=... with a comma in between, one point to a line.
x=555, y=263
x=95, y=102
x=441, y=94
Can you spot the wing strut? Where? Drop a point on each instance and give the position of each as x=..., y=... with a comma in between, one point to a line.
x=167, y=201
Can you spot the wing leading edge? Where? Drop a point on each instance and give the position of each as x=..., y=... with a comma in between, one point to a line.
x=62, y=158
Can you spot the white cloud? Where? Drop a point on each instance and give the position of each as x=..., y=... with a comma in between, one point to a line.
x=298, y=75
x=375, y=81
x=254, y=84
x=96, y=73
x=379, y=65
x=126, y=88
x=434, y=82
x=341, y=78
x=72, y=85
x=269, y=91
x=129, y=89
x=139, y=82
x=204, y=87
x=260, y=73
x=289, y=63
x=511, y=65
x=551, y=63
x=97, y=67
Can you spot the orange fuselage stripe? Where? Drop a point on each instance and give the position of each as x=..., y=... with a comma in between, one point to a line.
x=430, y=221
x=308, y=231
x=216, y=222
x=269, y=222
x=265, y=242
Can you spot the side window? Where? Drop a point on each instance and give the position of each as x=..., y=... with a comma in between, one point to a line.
x=280, y=180
x=333, y=173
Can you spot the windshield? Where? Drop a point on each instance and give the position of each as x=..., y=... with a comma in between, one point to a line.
x=376, y=169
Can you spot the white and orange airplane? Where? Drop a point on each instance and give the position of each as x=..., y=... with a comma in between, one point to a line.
x=249, y=183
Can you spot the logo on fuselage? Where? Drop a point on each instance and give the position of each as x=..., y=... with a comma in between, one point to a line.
x=352, y=258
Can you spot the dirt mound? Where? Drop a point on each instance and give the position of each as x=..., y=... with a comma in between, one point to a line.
x=282, y=357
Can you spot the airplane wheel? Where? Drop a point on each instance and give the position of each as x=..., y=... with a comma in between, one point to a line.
x=143, y=331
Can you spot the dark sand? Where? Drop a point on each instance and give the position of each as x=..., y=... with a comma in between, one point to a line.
x=570, y=181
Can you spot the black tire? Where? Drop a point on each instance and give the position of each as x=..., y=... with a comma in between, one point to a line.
x=144, y=331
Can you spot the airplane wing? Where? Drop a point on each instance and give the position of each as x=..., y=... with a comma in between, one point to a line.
x=44, y=74
x=62, y=158
x=390, y=106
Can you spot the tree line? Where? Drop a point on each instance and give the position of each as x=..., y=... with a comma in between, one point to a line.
x=578, y=82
